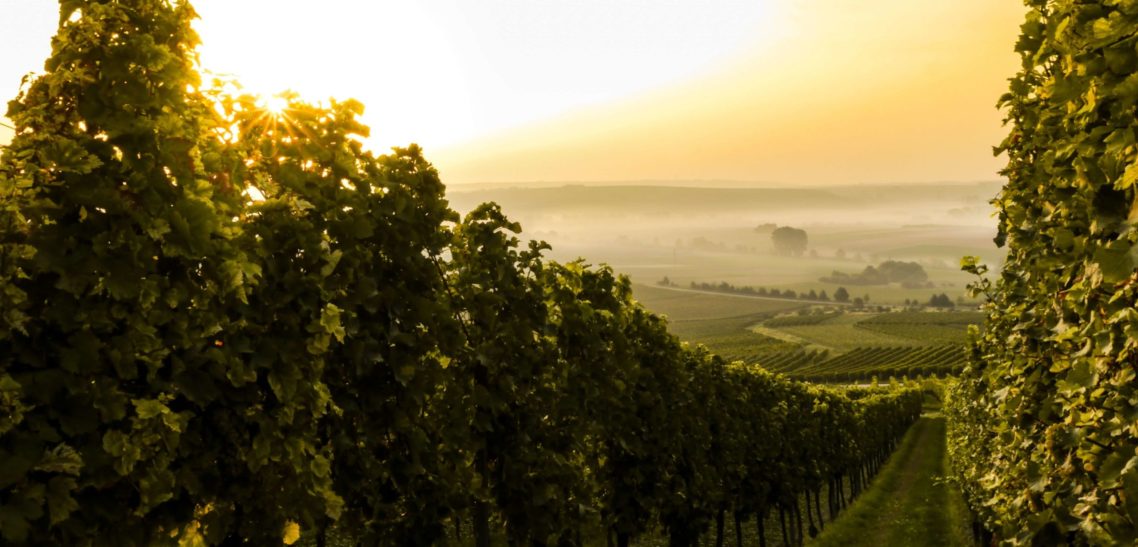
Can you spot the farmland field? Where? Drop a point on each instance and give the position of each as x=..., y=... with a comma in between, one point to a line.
x=685, y=305
x=841, y=333
x=815, y=342
x=860, y=345
x=865, y=362
x=930, y=328
x=653, y=233
x=720, y=322
x=844, y=332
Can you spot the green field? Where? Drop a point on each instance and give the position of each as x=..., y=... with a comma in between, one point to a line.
x=867, y=362
x=840, y=333
x=857, y=346
x=829, y=344
x=709, y=236
x=931, y=328
x=684, y=305
x=720, y=322
x=847, y=331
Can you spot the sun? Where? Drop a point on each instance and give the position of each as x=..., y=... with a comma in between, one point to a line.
x=275, y=105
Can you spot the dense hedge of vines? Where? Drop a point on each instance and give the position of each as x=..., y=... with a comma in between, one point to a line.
x=1042, y=425
x=184, y=361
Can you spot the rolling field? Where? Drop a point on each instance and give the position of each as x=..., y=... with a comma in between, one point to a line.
x=791, y=360
x=858, y=346
x=800, y=320
x=848, y=331
x=709, y=234
x=745, y=261
x=922, y=334
x=720, y=322
x=827, y=346
x=932, y=328
x=957, y=318
x=864, y=363
x=685, y=305
x=840, y=333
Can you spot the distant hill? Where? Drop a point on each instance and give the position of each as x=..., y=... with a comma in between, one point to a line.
x=662, y=200
x=977, y=193
x=647, y=199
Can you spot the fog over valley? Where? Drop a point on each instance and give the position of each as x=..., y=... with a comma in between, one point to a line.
x=724, y=234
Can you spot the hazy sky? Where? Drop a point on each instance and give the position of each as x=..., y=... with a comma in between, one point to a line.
x=781, y=91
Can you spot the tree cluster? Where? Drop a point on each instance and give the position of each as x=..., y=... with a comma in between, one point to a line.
x=789, y=294
x=940, y=301
x=910, y=275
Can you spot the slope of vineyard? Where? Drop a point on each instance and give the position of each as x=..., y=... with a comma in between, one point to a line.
x=838, y=332
x=720, y=322
x=791, y=361
x=1042, y=429
x=181, y=363
x=861, y=364
x=855, y=347
x=927, y=327
x=682, y=305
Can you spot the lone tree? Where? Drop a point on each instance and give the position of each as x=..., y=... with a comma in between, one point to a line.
x=789, y=241
x=940, y=301
x=841, y=295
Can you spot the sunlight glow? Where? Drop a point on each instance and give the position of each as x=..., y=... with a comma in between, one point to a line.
x=593, y=90
x=276, y=105
x=444, y=72
x=254, y=194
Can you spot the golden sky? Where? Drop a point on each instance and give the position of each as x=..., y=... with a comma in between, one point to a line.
x=776, y=91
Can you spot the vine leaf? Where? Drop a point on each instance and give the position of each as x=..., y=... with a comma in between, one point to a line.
x=1116, y=261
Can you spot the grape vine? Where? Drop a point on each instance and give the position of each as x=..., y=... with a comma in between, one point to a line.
x=225, y=325
x=1041, y=425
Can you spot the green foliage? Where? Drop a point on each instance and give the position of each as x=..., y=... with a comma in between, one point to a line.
x=1042, y=422
x=120, y=257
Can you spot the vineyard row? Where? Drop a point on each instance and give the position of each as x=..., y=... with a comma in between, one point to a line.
x=181, y=362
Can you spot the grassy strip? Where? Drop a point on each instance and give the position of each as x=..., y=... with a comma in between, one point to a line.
x=909, y=503
x=959, y=515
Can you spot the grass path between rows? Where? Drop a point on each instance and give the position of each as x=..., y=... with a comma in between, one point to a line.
x=909, y=503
